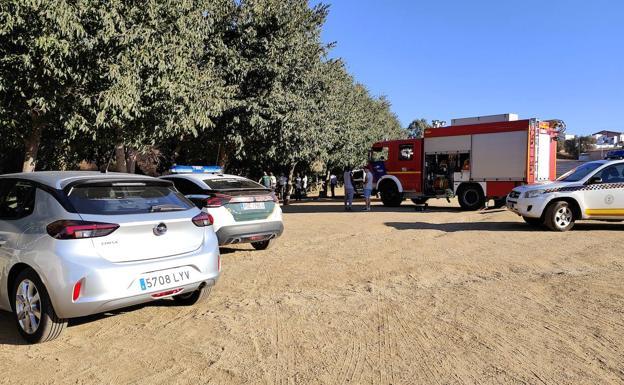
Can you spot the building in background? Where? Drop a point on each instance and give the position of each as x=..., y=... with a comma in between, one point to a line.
x=608, y=139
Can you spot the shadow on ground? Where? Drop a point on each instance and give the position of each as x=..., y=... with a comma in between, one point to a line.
x=326, y=206
x=10, y=336
x=496, y=226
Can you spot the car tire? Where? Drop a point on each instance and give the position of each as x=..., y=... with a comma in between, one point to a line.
x=533, y=221
x=33, y=300
x=262, y=245
x=471, y=197
x=419, y=201
x=390, y=195
x=190, y=299
x=559, y=216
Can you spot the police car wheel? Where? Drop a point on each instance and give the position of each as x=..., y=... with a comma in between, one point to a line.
x=559, y=216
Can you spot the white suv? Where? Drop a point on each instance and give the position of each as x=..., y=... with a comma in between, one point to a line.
x=594, y=190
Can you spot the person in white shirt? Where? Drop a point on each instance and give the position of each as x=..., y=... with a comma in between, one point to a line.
x=273, y=181
x=368, y=187
x=333, y=182
x=349, y=190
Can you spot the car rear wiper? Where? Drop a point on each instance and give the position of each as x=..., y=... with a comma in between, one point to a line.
x=158, y=208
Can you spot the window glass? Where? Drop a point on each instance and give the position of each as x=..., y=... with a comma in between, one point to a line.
x=232, y=184
x=185, y=186
x=127, y=199
x=612, y=174
x=17, y=199
x=406, y=152
x=379, y=155
x=580, y=172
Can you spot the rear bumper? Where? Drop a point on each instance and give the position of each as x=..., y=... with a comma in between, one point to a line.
x=251, y=232
x=108, y=286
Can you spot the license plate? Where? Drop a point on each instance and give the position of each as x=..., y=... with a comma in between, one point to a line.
x=253, y=206
x=164, y=279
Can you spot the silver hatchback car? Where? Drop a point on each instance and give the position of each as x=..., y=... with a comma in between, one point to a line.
x=79, y=243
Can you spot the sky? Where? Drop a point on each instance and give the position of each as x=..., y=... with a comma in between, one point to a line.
x=548, y=59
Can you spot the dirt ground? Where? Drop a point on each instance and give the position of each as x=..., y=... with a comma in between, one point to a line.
x=392, y=296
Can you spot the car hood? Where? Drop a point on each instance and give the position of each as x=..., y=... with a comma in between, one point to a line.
x=545, y=186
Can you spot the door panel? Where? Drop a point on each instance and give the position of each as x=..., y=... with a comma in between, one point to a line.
x=606, y=199
x=408, y=165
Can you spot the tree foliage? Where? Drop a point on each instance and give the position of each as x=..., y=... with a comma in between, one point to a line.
x=245, y=83
x=417, y=127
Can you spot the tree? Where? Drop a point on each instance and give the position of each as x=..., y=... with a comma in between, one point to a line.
x=417, y=127
x=41, y=55
x=579, y=145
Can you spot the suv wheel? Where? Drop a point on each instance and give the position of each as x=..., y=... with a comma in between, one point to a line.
x=559, y=216
x=390, y=195
x=471, y=197
x=34, y=315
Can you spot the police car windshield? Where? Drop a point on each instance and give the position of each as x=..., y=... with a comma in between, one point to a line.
x=580, y=172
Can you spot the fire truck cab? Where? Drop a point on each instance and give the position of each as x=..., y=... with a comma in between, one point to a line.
x=474, y=159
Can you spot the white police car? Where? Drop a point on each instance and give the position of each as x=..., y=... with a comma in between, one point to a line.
x=594, y=190
x=243, y=211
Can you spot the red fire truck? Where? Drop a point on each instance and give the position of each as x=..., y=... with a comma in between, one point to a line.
x=474, y=159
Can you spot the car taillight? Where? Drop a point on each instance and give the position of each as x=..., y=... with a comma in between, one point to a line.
x=203, y=219
x=218, y=200
x=68, y=229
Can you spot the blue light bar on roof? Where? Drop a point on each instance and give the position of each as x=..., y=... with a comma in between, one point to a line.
x=615, y=154
x=181, y=169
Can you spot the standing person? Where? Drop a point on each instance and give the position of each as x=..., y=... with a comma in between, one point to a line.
x=298, y=187
x=282, y=184
x=273, y=181
x=333, y=181
x=368, y=187
x=265, y=180
x=349, y=190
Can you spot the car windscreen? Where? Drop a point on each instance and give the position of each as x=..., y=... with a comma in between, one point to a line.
x=580, y=172
x=233, y=184
x=126, y=198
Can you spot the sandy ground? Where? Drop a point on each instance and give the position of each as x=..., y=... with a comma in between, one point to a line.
x=393, y=296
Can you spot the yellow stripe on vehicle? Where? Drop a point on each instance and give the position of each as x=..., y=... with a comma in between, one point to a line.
x=604, y=212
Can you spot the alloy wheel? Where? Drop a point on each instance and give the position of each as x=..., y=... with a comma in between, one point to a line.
x=563, y=217
x=28, y=306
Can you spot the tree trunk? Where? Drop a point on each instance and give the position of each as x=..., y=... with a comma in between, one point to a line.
x=131, y=161
x=120, y=154
x=222, y=157
x=31, y=144
x=120, y=157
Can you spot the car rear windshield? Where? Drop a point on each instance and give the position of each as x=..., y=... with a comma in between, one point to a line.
x=127, y=198
x=233, y=184
x=580, y=172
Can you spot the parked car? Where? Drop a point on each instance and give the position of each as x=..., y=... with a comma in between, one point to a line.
x=244, y=211
x=593, y=190
x=79, y=243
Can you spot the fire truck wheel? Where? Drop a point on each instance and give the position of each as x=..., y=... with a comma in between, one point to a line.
x=471, y=197
x=390, y=195
x=559, y=216
x=420, y=201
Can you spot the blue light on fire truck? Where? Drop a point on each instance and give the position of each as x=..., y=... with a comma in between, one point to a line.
x=184, y=169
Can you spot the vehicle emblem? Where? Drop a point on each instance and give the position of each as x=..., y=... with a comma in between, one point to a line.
x=160, y=229
x=609, y=199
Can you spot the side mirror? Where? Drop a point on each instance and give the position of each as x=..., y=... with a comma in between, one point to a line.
x=595, y=180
